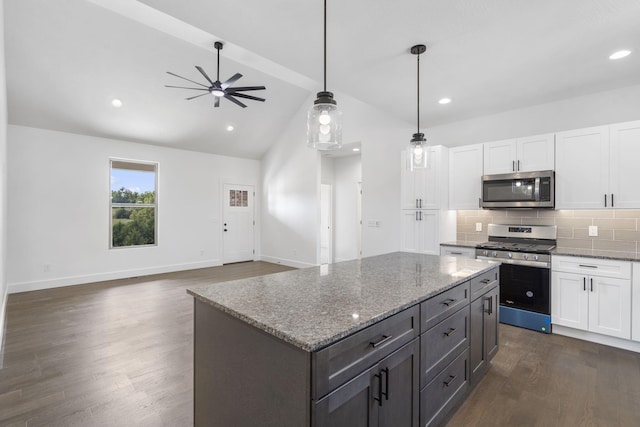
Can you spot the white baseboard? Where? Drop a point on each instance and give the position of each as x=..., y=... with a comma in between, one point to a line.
x=597, y=338
x=288, y=262
x=101, y=277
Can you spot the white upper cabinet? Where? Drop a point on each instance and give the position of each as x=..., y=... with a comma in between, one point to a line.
x=528, y=154
x=624, y=172
x=582, y=168
x=465, y=174
x=426, y=188
x=597, y=167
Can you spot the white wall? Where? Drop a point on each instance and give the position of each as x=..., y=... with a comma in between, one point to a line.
x=291, y=174
x=59, y=190
x=3, y=182
x=347, y=173
x=600, y=108
x=290, y=197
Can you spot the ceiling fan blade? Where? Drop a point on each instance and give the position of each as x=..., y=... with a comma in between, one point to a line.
x=197, y=96
x=205, y=75
x=182, y=87
x=242, y=95
x=217, y=103
x=245, y=88
x=235, y=101
x=199, y=84
x=231, y=80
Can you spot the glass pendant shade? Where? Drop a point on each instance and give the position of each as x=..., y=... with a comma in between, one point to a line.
x=324, y=123
x=417, y=152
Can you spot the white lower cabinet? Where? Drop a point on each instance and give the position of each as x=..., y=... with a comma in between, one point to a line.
x=420, y=232
x=584, y=299
x=635, y=303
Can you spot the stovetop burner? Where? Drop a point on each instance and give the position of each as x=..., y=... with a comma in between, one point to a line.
x=517, y=247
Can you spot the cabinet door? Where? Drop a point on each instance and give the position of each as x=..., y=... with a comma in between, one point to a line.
x=624, y=170
x=350, y=405
x=570, y=300
x=429, y=228
x=400, y=388
x=499, y=157
x=411, y=237
x=491, y=320
x=610, y=306
x=582, y=168
x=465, y=174
x=535, y=153
x=477, y=360
x=412, y=184
x=635, y=302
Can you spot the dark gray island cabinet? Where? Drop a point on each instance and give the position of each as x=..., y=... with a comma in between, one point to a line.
x=391, y=340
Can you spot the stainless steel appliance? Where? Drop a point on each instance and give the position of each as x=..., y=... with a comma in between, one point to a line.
x=519, y=190
x=525, y=273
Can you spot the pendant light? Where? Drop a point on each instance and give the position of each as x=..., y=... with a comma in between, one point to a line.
x=324, y=120
x=417, y=152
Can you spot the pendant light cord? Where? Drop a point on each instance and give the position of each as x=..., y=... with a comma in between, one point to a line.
x=325, y=45
x=418, y=94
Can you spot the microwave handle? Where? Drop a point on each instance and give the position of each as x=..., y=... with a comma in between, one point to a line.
x=536, y=191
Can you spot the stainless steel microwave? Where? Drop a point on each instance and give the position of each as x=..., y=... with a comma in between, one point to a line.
x=519, y=190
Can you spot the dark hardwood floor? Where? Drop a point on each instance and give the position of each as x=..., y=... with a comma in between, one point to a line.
x=116, y=353
x=120, y=353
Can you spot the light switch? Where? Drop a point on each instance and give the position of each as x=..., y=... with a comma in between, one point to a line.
x=593, y=230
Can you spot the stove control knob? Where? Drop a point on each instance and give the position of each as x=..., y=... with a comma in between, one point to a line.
x=485, y=253
x=525, y=256
x=494, y=253
x=510, y=255
x=535, y=257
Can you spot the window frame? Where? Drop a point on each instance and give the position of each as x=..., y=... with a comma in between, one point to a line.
x=155, y=205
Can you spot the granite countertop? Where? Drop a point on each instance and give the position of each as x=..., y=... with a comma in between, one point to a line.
x=313, y=307
x=461, y=244
x=621, y=256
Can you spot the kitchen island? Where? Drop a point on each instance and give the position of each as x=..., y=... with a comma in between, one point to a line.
x=386, y=339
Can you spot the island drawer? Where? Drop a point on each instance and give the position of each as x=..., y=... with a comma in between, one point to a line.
x=338, y=363
x=481, y=284
x=445, y=391
x=442, y=343
x=443, y=305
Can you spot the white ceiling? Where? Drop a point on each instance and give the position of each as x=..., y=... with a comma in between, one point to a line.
x=66, y=60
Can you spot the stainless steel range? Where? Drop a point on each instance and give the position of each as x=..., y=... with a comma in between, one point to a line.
x=525, y=273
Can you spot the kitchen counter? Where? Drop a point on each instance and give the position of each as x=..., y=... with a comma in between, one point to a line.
x=615, y=255
x=621, y=256
x=314, y=307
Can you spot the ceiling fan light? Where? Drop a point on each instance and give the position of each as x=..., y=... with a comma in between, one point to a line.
x=217, y=92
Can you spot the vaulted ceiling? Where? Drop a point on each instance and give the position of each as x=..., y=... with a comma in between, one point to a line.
x=67, y=59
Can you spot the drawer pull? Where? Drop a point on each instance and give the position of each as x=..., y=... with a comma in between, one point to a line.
x=455, y=253
x=381, y=341
x=448, y=302
x=450, y=381
x=450, y=332
x=588, y=266
x=485, y=281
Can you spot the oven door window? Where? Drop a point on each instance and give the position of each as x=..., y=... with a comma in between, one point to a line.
x=525, y=287
x=510, y=190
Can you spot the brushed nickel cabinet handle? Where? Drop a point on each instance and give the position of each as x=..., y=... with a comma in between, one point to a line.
x=381, y=341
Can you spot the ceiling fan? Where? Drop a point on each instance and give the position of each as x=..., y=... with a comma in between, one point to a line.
x=220, y=90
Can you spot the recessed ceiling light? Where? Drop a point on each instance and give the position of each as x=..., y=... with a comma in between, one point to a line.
x=230, y=128
x=444, y=101
x=619, y=54
x=355, y=149
x=116, y=103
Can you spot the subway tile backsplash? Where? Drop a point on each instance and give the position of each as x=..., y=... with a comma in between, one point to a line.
x=618, y=229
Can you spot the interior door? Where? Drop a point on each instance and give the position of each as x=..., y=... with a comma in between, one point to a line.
x=238, y=223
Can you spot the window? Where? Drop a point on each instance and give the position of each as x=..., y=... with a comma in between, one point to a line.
x=134, y=203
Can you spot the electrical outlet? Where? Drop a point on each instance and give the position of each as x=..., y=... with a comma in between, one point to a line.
x=478, y=226
x=593, y=230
